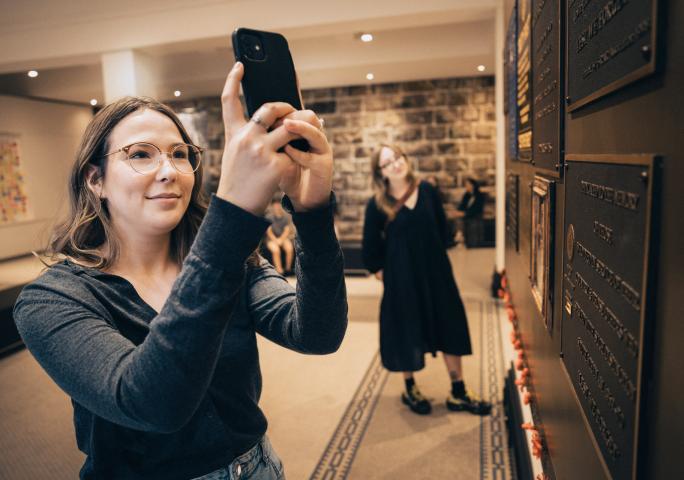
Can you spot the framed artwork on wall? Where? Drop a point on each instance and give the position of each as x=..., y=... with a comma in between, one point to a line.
x=13, y=199
x=541, y=268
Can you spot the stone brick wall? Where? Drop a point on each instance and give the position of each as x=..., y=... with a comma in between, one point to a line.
x=446, y=127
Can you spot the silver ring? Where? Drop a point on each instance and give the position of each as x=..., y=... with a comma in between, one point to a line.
x=322, y=121
x=257, y=119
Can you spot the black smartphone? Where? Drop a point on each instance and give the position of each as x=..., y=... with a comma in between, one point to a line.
x=269, y=73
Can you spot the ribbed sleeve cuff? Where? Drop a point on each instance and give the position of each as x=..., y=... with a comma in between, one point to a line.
x=228, y=234
x=315, y=228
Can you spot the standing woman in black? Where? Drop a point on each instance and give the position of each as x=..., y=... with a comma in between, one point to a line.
x=404, y=238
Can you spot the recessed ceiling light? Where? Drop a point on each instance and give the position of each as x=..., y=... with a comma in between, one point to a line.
x=366, y=37
x=32, y=73
x=480, y=68
x=370, y=76
x=177, y=93
x=93, y=101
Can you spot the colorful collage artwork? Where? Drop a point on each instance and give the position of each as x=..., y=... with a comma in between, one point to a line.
x=13, y=201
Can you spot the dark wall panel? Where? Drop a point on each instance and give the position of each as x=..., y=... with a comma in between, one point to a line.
x=642, y=116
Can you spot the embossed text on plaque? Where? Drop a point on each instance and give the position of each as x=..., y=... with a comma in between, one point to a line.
x=611, y=43
x=546, y=85
x=524, y=67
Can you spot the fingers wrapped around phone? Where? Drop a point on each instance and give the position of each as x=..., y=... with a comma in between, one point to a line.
x=267, y=115
x=311, y=133
x=310, y=188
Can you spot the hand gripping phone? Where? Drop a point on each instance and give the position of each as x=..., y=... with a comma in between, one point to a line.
x=269, y=73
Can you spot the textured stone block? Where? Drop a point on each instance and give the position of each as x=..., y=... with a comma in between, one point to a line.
x=409, y=101
x=447, y=116
x=349, y=105
x=376, y=136
x=460, y=130
x=479, y=146
x=420, y=149
x=386, y=88
x=346, y=138
x=455, y=99
x=417, y=86
x=323, y=107
x=429, y=164
x=447, y=147
x=375, y=103
x=471, y=114
x=423, y=117
x=484, y=132
x=410, y=134
x=455, y=164
x=435, y=133
x=363, y=152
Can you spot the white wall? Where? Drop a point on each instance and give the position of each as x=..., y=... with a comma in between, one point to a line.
x=49, y=134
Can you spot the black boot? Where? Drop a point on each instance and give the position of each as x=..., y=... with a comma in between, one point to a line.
x=468, y=402
x=416, y=401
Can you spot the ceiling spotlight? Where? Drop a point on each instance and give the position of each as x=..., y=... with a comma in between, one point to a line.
x=177, y=93
x=366, y=37
x=32, y=73
x=93, y=101
x=480, y=68
x=370, y=76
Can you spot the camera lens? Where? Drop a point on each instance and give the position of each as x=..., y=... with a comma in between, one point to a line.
x=252, y=47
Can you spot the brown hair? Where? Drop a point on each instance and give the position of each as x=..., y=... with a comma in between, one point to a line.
x=87, y=234
x=380, y=184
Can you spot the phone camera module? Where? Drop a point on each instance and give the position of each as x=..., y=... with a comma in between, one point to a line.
x=252, y=47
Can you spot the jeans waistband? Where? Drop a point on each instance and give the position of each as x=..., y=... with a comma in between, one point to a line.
x=245, y=464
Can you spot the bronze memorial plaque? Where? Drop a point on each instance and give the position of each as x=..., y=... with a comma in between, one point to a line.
x=511, y=88
x=610, y=43
x=512, y=181
x=546, y=85
x=604, y=314
x=524, y=87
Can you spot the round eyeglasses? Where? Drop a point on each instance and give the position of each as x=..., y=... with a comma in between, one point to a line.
x=146, y=157
x=395, y=160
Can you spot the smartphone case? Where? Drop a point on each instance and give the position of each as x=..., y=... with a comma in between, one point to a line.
x=271, y=79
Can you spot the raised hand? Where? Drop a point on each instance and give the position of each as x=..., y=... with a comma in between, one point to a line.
x=252, y=167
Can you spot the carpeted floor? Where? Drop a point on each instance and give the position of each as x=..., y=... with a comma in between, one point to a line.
x=379, y=438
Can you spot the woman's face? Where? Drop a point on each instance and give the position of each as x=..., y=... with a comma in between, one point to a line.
x=130, y=196
x=392, y=165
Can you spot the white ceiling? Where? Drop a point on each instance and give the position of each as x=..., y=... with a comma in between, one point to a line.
x=190, y=41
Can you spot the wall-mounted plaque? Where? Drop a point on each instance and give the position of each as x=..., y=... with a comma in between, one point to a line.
x=610, y=43
x=512, y=185
x=541, y=260
x=547, y=85
x=604, y=316
x=524, y=87
x=511, y=87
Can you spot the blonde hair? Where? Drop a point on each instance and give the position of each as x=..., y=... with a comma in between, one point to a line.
x=383, y=199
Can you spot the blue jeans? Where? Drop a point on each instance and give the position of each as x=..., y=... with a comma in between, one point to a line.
x=259, y=463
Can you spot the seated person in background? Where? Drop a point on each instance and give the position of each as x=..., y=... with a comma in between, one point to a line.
x=472, y=203
x=470, y=210
x=278, y=237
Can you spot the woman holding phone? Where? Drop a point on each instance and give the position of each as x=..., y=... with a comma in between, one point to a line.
x=404, y=243
x=149, y=320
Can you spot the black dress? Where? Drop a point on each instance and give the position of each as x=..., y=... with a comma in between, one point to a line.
x=421, y=309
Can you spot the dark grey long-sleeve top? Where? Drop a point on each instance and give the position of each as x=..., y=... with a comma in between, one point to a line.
x=174, y=394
